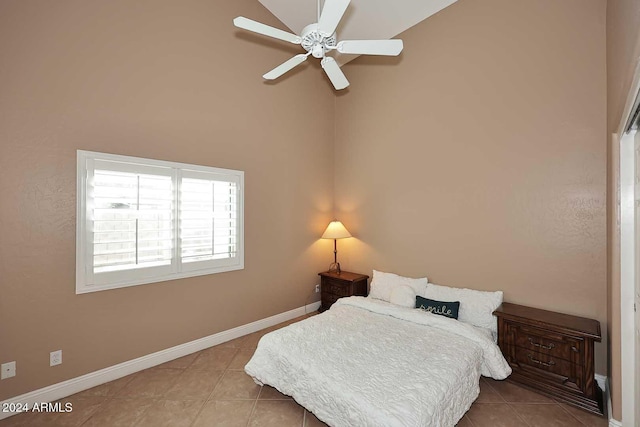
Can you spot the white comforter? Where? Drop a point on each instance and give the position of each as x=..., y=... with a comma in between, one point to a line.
x=370, y=363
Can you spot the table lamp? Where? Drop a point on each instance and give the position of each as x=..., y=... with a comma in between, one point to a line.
x=335, y=230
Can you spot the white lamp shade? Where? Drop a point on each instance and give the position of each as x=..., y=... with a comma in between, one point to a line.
x=335, y=230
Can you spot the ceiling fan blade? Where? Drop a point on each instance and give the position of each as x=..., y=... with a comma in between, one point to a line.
x=331, y=15
x=334, y=73
x=266, y=30
x=371, y=47
x=285, y=66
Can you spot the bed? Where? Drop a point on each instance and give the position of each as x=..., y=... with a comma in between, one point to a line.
x=370, y=362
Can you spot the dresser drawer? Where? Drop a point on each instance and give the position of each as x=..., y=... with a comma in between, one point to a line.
x=569, y=373
x=546, y=342
x=555, y=371
x=552, y=370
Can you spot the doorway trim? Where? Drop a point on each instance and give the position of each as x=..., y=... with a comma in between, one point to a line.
x=625, y=204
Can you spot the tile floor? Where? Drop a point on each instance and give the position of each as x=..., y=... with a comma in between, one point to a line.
x=210, y=388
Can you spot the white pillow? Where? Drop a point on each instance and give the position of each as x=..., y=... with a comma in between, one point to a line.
x=403, y=296
x=383, y=283
x=476, y=307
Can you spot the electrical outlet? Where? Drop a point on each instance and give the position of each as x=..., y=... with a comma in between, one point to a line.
x=55, y=358
x=8, y=370
x=317, y=288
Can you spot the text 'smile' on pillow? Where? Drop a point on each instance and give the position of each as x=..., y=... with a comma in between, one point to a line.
x=476, y=307
x=443, y=308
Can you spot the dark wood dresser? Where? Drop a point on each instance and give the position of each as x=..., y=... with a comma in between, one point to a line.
x=552, y=353
x=345, y=284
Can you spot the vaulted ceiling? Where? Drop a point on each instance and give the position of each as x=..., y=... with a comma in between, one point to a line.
x=364, y=19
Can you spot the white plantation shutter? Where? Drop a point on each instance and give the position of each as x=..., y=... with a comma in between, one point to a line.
x=141, y=221
x=132, y=218
x=208, y=218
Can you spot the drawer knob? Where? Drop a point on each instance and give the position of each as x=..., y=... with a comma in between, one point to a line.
x=546, y=347
x=539, y=362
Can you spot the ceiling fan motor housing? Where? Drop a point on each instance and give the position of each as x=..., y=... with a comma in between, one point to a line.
x=317, y=43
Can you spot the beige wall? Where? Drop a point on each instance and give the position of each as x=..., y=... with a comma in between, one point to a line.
x=479, y=158
x=475, y=158
x=169, y=80
x=623, y=52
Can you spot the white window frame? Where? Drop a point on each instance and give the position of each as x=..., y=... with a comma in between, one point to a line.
x=87, y=281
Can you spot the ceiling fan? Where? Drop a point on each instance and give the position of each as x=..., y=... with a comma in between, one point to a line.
x=320, y=38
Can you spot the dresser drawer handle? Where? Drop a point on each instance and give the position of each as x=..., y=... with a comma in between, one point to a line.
x=539, y=362
x=546, y=347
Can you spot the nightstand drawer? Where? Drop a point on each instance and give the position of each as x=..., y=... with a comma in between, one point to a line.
x=335, y=287
x=546, y=342
x=328, y=299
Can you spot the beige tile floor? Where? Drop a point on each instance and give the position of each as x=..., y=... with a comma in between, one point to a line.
x=210, y=388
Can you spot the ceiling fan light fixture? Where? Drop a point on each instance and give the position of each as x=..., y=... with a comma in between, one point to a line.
x=316, y=43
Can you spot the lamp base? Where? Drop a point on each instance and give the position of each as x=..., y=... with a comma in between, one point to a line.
x=334, y=267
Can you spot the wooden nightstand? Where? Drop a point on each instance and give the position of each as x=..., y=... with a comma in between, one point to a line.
x=345, y=284
x=552, y=353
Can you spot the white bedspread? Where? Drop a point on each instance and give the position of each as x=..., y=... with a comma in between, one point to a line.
x=370, y=363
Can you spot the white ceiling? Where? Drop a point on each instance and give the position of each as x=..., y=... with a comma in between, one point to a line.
x=364, y=19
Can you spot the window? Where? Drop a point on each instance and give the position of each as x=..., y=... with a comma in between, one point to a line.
x=143, y=221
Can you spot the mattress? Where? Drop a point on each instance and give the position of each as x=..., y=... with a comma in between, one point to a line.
x=366, y=362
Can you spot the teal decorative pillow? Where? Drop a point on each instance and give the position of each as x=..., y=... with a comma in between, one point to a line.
x=443, y=308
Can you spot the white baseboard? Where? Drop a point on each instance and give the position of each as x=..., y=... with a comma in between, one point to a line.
x=602, y=382
x=92, y=379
